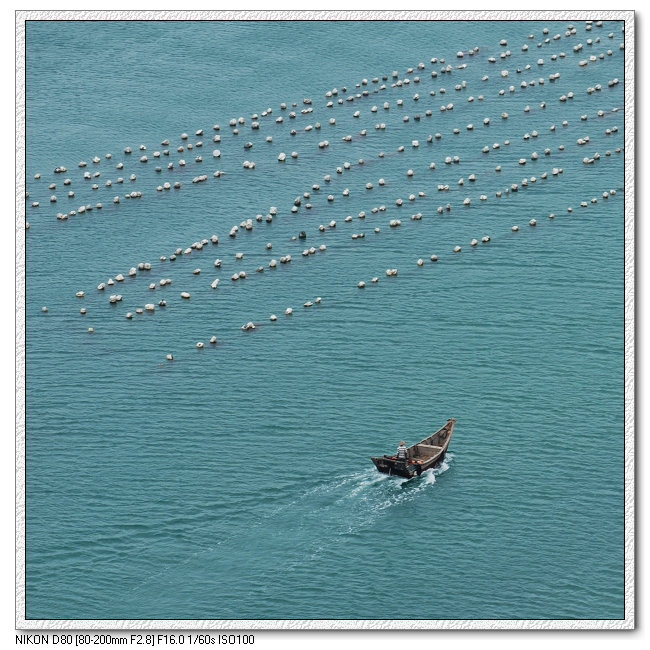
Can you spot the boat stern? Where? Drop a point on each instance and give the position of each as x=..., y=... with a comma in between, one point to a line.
x=382, y=464
x=388, y=465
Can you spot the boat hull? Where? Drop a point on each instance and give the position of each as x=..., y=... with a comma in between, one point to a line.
x=395, y=468
x=419, y=457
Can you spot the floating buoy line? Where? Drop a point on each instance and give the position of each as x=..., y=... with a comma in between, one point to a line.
x=440, y=178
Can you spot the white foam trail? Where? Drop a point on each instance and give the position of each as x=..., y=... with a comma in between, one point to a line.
x=429, y=477
x=371, y=480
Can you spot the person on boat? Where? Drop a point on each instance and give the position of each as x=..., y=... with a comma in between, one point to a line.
x=401, y=451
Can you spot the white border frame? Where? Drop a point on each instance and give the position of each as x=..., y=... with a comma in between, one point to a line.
x=327, y=624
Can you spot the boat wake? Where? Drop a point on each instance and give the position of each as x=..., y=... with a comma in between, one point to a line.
x=309, y=530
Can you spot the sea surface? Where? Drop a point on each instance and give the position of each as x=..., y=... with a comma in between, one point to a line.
x=235, y=481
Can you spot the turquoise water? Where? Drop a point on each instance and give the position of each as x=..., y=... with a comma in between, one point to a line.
x=235, y=480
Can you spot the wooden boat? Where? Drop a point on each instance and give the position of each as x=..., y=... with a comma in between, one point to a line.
x=419, y=457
